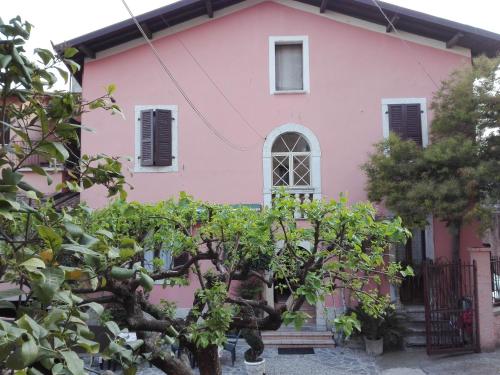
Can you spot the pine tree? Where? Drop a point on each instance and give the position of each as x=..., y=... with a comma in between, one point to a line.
x=456, y=178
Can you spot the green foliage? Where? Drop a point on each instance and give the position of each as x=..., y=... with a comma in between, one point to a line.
x=43, y=252
x=386, y=324
x=455, y=178
x=250, y=289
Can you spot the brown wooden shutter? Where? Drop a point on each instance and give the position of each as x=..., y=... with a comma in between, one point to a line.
x=147, y=137
x=414, y=123
x=405, y=121
x=163, y=138
x=181, y=259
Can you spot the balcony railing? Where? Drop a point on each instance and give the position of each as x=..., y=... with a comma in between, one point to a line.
x=495, y=280
x=33, y=159
x=300, y=196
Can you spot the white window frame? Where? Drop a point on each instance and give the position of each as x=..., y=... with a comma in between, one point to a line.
x=304, y=41
x=138, y=168
x=315, y=162
x=290, y=155
x=423, y=116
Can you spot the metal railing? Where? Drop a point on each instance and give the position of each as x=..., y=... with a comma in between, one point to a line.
x=495, y=280
x=33, y=159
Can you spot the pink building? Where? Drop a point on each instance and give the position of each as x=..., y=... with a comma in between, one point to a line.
x=281, y=93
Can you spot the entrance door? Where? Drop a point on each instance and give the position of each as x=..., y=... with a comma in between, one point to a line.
x=281, y=296
x=413, y=254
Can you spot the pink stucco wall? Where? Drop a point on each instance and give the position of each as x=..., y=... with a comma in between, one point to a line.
x=40, y=182
x=351, y=70
x=497, y=325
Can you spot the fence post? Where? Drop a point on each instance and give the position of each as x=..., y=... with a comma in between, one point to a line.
x=484, y=298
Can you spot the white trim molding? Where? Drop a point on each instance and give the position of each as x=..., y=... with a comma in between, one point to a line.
x=137, y=143
x=276, y=40
x=267, y=166
x=423, y=117
x=334, y=16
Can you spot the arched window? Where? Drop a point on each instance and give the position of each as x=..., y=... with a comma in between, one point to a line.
x=291, y=156
x=291, y=159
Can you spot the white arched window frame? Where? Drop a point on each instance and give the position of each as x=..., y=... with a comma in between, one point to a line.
x=315, y=162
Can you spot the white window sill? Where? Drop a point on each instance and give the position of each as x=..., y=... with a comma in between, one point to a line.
x=153, y=169
x=288, y=92
x=47, y=169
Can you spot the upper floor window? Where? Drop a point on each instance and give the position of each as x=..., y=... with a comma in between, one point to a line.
x=406, y=118
x=291, y=155
x=289, y=64
x=156, y=139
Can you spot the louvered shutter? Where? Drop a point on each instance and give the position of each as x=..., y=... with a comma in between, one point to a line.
x=147, y=137
x=163, y=138
x=414, y=123
x=405, y=121
x=181, y=259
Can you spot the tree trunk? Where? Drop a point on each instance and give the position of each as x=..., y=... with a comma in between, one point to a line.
x=208, y=361
x=171, y=366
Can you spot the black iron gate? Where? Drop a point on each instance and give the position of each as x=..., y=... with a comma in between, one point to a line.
x=450, y=296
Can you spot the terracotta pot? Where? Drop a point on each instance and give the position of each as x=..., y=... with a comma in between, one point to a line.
x=256, y=368
x=374, y=347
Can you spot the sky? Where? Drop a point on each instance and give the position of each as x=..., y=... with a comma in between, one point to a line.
x=60, y=20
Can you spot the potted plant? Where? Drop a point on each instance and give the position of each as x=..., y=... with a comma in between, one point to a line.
x=254, y=363
x=381, y=332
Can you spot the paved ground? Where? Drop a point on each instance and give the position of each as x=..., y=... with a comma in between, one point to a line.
x=351, y=361
x=337, y=361
x=417, y=362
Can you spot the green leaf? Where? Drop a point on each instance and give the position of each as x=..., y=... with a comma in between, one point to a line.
x=33, y=264
x=52, y=239
x=89, y=345
x=73, y=363
x=10, y=293
x=30, y=325
x=5, y=60
x=79, y=249
x=63, y=73
x=25, y=354
x=46, y=289
x=70, y=52
x=111, y=88
x=99, y=309
x=73, y=229
x=146, y=281
x=113, y=328
x=120, y=273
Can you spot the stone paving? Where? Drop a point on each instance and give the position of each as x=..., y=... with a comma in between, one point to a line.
x=324, y=362
x=354, y=361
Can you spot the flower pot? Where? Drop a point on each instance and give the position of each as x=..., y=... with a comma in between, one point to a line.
x=374, y=347
x=256, y=368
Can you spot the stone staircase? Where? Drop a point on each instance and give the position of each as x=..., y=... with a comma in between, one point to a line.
x=289, y=338
x=413, y=318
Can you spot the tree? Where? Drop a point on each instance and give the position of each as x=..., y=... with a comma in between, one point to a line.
x=225, y=244
x=49, y=321
x=57, y=262
x=456, y=178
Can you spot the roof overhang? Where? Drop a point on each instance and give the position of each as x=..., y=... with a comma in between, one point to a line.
x=478, y=41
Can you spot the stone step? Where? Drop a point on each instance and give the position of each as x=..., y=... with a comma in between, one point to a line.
x=284, y=338
x=299, y=343
x=415, y=340
x=296, y=333
x=415, y=328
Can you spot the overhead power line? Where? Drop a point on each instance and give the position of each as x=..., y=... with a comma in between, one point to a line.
x=179, y=88
x=396, y=31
